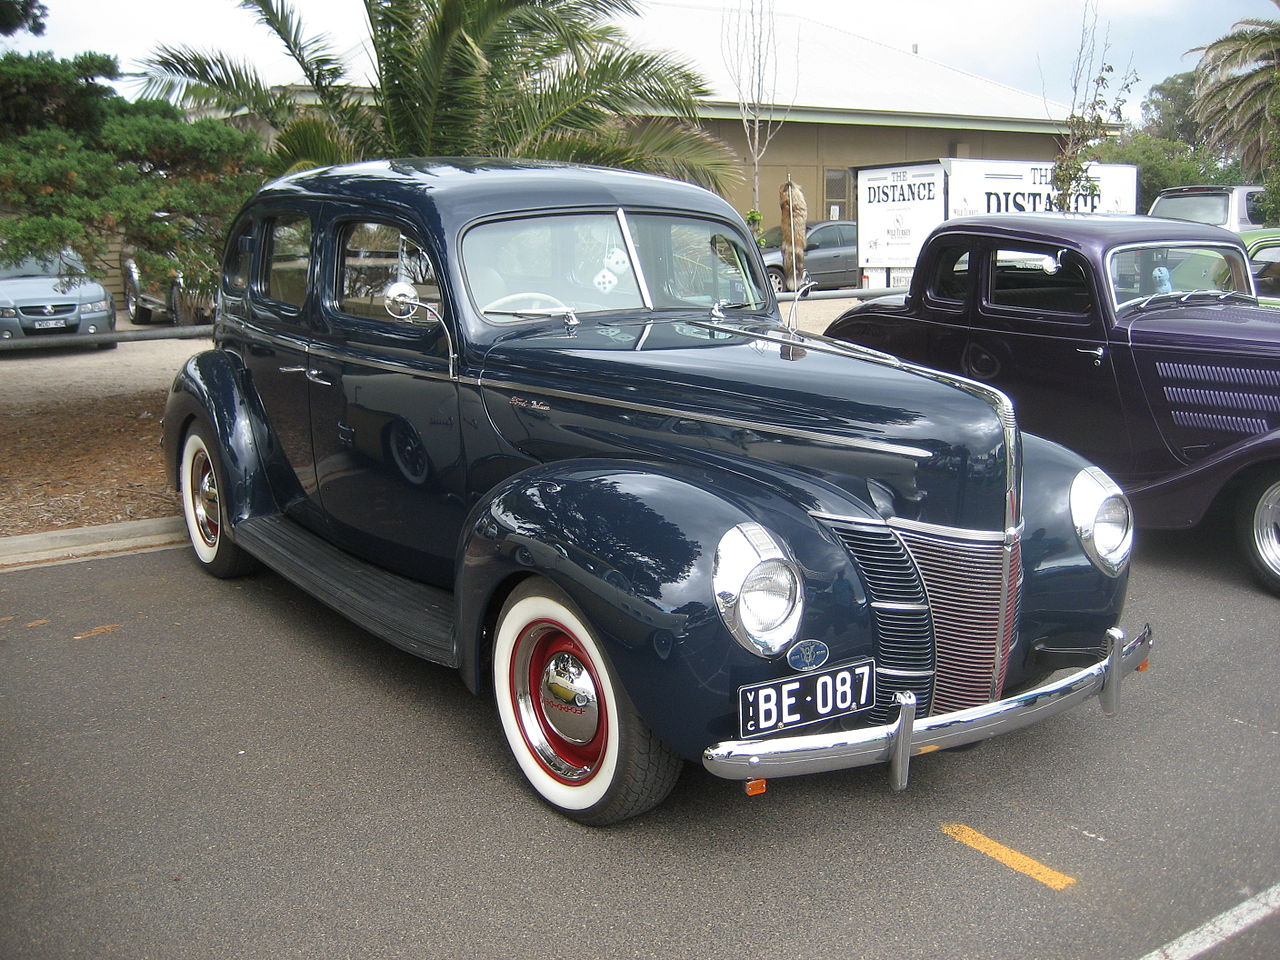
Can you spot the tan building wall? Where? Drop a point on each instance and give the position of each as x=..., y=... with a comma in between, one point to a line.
x=820, y=157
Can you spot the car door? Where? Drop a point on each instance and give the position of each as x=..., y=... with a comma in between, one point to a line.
x=384, y=405
x=822, y=256
x=266, y=298
x=1039, y=335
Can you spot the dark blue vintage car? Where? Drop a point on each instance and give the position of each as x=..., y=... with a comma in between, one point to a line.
x=544, y=424
x=1136, y=341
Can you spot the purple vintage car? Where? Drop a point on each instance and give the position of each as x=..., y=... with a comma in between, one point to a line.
x=1137, y=341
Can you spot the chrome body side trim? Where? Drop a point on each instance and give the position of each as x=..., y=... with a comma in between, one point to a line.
x=897, y=742
x=858, y=443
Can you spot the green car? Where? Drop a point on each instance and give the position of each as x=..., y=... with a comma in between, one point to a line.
x=1264, y=263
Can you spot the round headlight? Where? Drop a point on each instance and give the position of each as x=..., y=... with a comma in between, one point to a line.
x=758, y=589
x=1103, y=520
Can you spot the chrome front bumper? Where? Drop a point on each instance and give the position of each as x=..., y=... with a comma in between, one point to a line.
x=896, y=743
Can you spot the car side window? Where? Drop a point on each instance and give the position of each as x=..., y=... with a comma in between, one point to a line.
x=288, y=257
x=1253, y=208
x=372, y=256
x=949, y=280
x=848, y=235
x=821, y=238
x=1031, y=279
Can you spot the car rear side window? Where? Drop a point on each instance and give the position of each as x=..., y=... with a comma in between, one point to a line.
x=950, y=278
x=372, y=257
x=288, y=259
x=239, y=258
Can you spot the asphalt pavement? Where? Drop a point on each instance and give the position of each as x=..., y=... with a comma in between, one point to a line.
x=196, y=768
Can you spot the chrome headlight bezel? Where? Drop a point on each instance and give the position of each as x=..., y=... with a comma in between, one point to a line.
x=1103, y=520
x=747, y=554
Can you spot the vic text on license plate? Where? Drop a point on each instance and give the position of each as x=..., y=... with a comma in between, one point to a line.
x=806, y=698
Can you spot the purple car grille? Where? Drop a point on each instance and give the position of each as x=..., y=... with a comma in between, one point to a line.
x=939, y=602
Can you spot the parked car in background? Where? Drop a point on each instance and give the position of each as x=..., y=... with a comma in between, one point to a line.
x=830, y=257
x=53, y=294
x=152, y=297
x=1234, y=208
x=1263, y=247
x=1136, y=341
x=544, y=424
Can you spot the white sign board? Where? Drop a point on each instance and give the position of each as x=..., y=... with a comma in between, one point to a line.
x=899, y=206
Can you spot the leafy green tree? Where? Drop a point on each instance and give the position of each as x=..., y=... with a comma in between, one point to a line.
x=1164, y=163
x=25, y=15
x=1166, y=111
x=548, y=79
x=1236, y=93
x=83, y=168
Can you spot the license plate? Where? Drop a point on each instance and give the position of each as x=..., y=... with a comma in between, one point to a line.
x=806, y=698
x=49, y=324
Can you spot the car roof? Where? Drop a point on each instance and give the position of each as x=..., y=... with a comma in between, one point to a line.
x=1082, y=230
x=475, y=188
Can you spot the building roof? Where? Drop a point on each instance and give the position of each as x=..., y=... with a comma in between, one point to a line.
x=841, y=77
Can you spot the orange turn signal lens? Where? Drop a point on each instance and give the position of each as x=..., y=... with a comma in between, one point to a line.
x=753, y=788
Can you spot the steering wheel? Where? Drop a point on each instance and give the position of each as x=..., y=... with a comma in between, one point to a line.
x=532, y=300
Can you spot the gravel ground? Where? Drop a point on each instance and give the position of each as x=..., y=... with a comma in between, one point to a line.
x=80, y=430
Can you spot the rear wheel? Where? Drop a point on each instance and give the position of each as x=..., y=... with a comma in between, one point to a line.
x=132, y=300
x=200, y=485
x=1258, y=526
x=775, y=280
x=574, y=731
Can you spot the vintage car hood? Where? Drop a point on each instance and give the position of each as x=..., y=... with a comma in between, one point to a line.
x=825, y=418
x=1231, y=326
x=1209, y=374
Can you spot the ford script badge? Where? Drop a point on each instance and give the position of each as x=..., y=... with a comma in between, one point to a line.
x=808, y=655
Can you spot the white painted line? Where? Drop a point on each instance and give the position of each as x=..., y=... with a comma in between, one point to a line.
x=1221, y=928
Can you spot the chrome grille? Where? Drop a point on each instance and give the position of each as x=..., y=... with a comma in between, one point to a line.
x=965, y=633
x=900, y=610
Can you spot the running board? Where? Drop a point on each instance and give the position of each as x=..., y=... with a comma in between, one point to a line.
x=411, y=615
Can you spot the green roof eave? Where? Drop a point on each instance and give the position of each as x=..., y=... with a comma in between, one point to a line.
x=729, y=111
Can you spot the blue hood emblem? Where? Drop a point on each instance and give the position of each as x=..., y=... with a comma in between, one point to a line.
x=808, y=655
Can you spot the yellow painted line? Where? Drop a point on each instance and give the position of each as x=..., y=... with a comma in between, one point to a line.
x=1009, y=857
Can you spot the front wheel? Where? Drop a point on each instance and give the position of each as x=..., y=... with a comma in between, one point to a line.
x=1258, y=527
x=200, y=485
x=574, y=731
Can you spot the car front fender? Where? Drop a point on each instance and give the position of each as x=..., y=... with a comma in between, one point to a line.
x=633, y=545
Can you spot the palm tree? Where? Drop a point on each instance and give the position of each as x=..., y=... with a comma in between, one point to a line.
x=547, y=79
x=1238, y=90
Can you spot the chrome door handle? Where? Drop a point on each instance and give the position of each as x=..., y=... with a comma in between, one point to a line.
x=293, y=369
x=1096, y=352
x=314, y=376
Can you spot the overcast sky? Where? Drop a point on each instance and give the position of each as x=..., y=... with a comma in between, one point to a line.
x=1028, y=44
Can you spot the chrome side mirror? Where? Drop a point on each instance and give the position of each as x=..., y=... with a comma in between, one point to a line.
x=401, y=301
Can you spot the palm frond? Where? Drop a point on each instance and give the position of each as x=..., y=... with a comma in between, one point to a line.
x=196, y=79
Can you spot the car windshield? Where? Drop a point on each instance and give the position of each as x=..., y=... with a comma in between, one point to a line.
x=1199, y=207
x=1172, y=270
x=66, y=264
x=554, y=264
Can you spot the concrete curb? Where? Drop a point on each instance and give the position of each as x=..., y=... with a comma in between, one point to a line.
x=87, y=543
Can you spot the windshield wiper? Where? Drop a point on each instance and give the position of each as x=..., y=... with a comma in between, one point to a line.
x=568, y=313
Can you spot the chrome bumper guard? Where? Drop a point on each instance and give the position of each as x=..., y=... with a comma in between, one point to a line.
x=898, y=742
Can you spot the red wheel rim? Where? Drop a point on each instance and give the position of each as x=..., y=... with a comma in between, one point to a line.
x=543, y=719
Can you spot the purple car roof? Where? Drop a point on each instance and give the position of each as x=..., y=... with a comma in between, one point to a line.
x=1088, y=231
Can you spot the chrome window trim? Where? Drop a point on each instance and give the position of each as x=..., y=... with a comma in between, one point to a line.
x=637, y=267
x=915, y=453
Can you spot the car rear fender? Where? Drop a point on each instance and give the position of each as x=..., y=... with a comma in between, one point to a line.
x=209, y=389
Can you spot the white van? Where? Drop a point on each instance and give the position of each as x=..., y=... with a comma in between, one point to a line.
x=1236, y=208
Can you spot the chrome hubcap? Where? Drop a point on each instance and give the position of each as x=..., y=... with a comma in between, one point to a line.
x=204, y=498
x=569, y=698
x=555, y=694
x=1266, y=527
